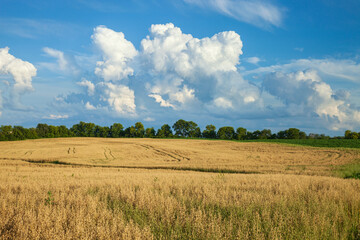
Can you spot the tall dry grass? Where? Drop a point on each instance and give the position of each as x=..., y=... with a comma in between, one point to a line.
x=63, y=202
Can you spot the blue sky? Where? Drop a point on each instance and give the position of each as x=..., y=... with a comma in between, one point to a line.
x=256, y=64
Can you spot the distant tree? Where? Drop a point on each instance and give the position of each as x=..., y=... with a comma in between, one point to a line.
x=348, y=134
x=130, y=132
x=19, y=133
x=164, y=132
x=351, y=135
x=150, y=132
x=139, y=130
x=255, y=135
x=302, y=135
x=195, y=133
x=193, y=130
x=181, y=128
x=101, y=131
x=42, y=130
x=226, y=133
x=116, y=130
x=265, y=134
x=241, y=133
x=184, y=128
x=64, y=131
x=293, y=133
x=53, y=132
x=83, y=129
x=209, y=132
x=31, y=134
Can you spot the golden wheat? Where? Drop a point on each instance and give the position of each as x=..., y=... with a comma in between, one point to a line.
x=247, y=157
x=54, y=201
x=64, y=202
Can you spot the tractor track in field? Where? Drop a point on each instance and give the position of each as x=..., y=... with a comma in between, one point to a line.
x=108, y=154
x=174, y=156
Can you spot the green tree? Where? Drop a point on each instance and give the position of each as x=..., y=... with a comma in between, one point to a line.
x=348, y=134
x=209, y=132
x=116, y=130
x=265, y=134
x=241, y=133
x=181, y=128
x=150, y=132
x=293, y=133
x=130, y=132
x=164, y=132
x=226, y=133
x=19, y=133
x=195, y=133
x=302, y=135
x=42, y=130
x=83, y=129
x=184, y=128
x=140, y=130
x=64, y=131
x=101, y=131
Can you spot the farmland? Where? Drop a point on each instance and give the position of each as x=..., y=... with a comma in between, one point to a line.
x=95, y=188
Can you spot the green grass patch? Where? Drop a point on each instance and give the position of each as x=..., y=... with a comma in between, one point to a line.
x=349, y=170
x=328, y=143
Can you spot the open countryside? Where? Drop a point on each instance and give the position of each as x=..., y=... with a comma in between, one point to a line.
x=101, y=188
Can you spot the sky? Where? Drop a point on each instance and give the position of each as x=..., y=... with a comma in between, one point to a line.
x=258, y=64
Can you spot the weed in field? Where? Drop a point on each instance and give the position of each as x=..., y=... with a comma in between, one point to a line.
x=49, y=201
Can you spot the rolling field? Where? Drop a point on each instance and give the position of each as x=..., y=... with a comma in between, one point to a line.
x=94, y=188
x=181, y=154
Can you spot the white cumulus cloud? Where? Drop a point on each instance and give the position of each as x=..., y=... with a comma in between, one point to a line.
x=116, y=52
x=88, y=106
x=89, y=85
x=167, y=49
x=187, y=69
x=121, y=98
x=305, y=93
x=21, y=71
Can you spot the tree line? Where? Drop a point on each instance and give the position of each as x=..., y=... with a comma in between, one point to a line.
x=180, y=129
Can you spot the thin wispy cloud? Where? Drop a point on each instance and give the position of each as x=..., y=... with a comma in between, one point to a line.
x=342, y=69
x=262, y=14
x=33, y=29
x=55, y=117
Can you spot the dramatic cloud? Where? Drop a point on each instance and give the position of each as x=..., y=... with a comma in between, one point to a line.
x=175, y=72
x=22, y=73
x=305, y=93
x=167, y=49
x=186, y=69
x=259, y=13
x=116, y=51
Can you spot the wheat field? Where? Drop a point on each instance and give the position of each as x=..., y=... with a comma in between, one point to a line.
x=288, y=192
x=181, y=153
